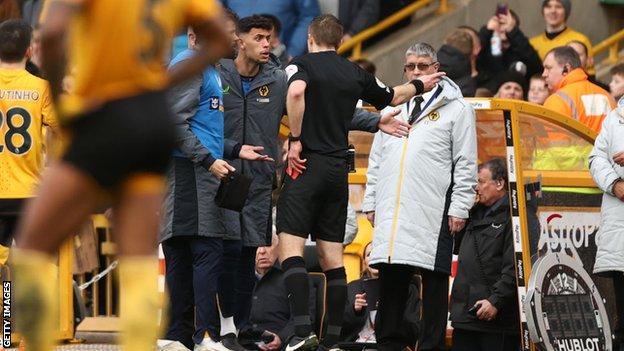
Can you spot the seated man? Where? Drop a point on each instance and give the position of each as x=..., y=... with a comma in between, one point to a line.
x=361, y=308
x=270, y=322
x=484, y=308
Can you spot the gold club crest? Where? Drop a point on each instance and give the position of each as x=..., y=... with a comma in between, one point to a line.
x=434, y=116
x=264, y=90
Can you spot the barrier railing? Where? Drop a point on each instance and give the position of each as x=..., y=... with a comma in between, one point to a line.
x=612, y=44
x=355, y=43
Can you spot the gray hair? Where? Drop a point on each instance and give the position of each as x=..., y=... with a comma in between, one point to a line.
x=566, y=55
x=422, y=49
x=498, y=168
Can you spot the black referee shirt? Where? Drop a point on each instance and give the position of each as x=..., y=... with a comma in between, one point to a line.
x=334, y=85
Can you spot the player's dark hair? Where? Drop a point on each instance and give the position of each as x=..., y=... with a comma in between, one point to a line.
x=326, y=30
x=15, y=37
x=277, y=24
x=366, y=65
x=231, y=15
x=246, y=24
x=497, y=168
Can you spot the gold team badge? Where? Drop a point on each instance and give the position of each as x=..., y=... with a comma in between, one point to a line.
x=434, y=116
x=264, y=90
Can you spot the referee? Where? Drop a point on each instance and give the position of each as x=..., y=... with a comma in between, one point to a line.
x=323, y=91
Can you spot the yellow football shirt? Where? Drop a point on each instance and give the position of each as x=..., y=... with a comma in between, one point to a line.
x=25, y=109
x=117, y=48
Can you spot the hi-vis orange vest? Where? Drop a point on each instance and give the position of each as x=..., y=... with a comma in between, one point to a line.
x=582, y=100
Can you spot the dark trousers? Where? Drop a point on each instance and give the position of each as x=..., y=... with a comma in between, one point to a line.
x=618, y=286
x=193, y=267
x=394, y=283
x=467, y=340
x=237, y=281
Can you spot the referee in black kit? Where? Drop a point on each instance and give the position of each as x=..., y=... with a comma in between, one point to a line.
x=323, y=91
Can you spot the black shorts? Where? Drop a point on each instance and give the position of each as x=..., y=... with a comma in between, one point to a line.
x=10, y=210
x=316, y=202
x=123, y=138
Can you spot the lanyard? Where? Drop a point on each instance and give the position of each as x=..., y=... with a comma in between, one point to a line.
x=433, y=97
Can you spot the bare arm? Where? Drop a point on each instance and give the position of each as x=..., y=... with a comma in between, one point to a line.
x=403, y=93
x=295, y=106
x=53, y=48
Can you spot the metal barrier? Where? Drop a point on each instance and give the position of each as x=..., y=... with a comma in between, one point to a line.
x=612, y=44
x=355, y=43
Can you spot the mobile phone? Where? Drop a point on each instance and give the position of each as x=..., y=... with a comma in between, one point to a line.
x=501, y=9
x=473, y=310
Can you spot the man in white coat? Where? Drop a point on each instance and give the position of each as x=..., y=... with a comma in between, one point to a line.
x=418, y=194
x=606, y=163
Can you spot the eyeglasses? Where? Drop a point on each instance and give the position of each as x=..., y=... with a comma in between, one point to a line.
x=421, y=66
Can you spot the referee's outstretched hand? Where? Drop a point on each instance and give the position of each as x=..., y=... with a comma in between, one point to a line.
x=220, y=169
x=431, y=80
x=294, y=157
x=393, y=126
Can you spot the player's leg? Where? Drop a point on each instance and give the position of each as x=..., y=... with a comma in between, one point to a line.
x=136, y=226
x=329, y=230
x=228, y=282
x=66, y=198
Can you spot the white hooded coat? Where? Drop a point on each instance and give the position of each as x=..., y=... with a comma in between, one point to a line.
x=415, y=183
x=610, y=237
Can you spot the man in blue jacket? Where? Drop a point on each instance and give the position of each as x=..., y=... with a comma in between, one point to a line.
x=295, y=16
x=191, y=235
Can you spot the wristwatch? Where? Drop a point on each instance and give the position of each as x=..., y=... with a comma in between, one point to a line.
x=293, y=138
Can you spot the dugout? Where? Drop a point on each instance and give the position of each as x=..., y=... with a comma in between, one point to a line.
x=541, y=147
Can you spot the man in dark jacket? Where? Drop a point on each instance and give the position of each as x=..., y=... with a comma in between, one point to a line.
x=504, y=45
x=270, y=316
x=357, y=15
x=454, y=58
x=484, y=308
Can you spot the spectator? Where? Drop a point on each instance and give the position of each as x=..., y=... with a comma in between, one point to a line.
x=511, y=85
x=476, y=50
x=485, y=278
x=366, y=65
x=359, y=321
x=571, y=93
x=277, y=46
x=616, y=86
x=295, y=17
x=454, y=58
x=556, y=14
x=31, y=11
x=409, y=205
x=504, y=46
x=586, y=62
x=270, y=311
x=33, y=66
x=606, y=163
x=357, y=15
x=538, y=90
x=9, y=9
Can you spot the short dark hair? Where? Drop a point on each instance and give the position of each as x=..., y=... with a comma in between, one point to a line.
x=246, y=24
x=497, y=167
x=231, y=15
x=617, y=70
x=15, y=37
x=566, y=55
x=326, y=30
x=277, y=24
x=366, y=65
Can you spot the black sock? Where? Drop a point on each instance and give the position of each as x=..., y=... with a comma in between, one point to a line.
x=298, y=288
x=336, y=300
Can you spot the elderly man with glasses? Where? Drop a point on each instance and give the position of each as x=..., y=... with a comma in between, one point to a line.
x=419, y=191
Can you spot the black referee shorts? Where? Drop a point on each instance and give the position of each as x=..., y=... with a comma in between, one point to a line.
x=123, y=138
x=316, y=202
